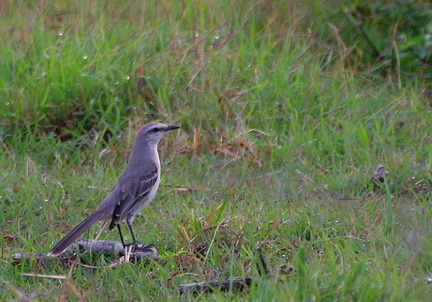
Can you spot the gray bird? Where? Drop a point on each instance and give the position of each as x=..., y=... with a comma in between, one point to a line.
x=133, y=191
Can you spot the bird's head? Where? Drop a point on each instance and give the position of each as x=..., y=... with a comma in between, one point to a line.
x=153, y=132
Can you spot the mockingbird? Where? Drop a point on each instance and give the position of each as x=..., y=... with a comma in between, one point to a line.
x=134, y=189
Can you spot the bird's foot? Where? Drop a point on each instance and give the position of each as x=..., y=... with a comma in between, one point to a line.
x=130, y=247
x=134, y=250
x=136, y=246
x=150, y=248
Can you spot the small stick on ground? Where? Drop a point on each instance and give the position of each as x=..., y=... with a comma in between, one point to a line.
x=108, y=248
x=222, y=285
x=225, y=285
x=262, y=264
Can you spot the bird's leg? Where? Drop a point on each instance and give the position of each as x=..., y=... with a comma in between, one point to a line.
x=148, y=248
x=121, y=236
x=134, y=241
x=129, y=223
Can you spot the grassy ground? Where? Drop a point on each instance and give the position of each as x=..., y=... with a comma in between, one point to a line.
x=279, y=126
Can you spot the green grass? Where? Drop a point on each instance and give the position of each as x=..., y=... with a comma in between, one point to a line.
x=279, y=124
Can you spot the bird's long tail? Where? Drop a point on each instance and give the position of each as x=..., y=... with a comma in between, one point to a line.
x=70, y=237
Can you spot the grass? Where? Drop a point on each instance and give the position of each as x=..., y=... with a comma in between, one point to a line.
x=279, y=124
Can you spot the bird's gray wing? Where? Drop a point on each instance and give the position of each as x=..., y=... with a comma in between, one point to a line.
x=132, y=194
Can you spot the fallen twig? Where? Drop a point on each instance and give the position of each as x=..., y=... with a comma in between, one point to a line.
x=209, y=286
x=108, y=248
x=224, y=285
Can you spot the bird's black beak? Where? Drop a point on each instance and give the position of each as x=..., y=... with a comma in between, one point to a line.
x=171, y=128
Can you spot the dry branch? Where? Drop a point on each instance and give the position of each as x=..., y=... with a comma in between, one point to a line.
x=224, y=285
x=108, y=248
